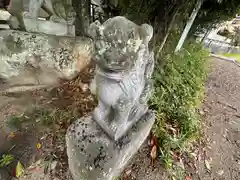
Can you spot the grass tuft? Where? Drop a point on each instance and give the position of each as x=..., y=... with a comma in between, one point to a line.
x=42, y=116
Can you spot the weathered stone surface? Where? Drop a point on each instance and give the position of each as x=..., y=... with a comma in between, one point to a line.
x=39, y=59
x=122, y=81
x=59, y=11
x=4, y=15
x=94, y=156
x=48, y=27
x=99, y=146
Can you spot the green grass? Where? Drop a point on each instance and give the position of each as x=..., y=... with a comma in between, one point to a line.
x=179, y=88
x=5, y=160
x=41, y=116
x=232, y=55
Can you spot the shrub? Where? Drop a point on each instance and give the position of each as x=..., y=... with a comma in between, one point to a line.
x=179, y=82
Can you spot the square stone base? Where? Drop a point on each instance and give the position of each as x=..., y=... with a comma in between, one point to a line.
x=92, y=155
x=48, y=27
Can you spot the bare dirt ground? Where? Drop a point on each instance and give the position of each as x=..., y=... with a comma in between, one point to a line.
x=222, y=122
x=215, y=157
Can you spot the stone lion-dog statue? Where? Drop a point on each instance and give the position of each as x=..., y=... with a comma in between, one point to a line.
x=123, y=74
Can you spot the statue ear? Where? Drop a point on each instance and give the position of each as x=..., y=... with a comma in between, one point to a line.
x=146, y=33
x=94, y=29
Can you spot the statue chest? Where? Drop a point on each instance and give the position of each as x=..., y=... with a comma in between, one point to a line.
x=130, y=85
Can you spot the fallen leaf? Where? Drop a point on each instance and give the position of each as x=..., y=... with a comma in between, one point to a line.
x=188, y=178
x=207, y=164
x=11, y=135
x=37, y=169
x=153, y=153
x=128, y=172
x=19, y=169
x=153, y=140
x=38, y=145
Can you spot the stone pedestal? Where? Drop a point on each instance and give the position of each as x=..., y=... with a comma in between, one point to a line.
x=48, y=27
x=94, y=156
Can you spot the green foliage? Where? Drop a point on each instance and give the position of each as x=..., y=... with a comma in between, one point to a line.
x=213, y=12
x=14, y=122
x=6, y=160
x=160, y=12
x=43, y=116
x=179, y=82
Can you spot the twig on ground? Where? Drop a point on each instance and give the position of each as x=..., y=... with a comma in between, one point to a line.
x=228, y=105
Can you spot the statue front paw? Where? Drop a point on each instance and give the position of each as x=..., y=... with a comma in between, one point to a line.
x=13, y=22
x=57, y=19
x=97, y=115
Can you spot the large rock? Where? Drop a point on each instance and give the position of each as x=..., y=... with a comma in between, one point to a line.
x=40, y=60
x=94, y=156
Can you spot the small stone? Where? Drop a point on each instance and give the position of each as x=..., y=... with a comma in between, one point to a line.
x=180, y=164
x=84, y=87
x=54, y=165
x=220, y=172
x=201, y=112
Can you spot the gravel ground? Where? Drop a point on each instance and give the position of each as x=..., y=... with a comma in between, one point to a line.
x=222, y=122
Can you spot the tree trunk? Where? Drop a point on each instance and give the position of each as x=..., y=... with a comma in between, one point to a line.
x=189, y=25
x=30, y=59
x=168, y=32
x=82, y=8
x=206, y=34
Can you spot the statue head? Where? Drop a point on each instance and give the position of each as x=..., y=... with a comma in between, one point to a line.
x=117, y=42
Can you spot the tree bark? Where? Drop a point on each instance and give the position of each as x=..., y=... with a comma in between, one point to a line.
x=82, y=8
x=167, y=33
x=189, y=25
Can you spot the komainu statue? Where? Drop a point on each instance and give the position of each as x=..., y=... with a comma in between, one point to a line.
x=122, y=81
x=58, y=11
